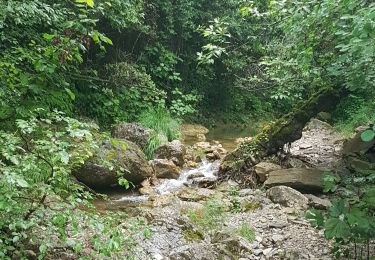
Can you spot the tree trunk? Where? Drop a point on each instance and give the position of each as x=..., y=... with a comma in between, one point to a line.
x=239, y=164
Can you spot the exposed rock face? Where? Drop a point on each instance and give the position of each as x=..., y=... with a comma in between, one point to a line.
x=133, y=132
x=287, y=197
x=355, y=145
x=193, y=133
x=190, y=194
x=317, y=202
x=174, y=150
x=320, y=146
x=302, y=179
x=123, y=154
x=262, y=169
x=165, y=168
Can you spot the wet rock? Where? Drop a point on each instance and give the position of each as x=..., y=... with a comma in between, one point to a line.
x=205, y=182
x=195, y=175
x=191, y=164
x=165, y=168
x=133, y=132
x=302, y=179
x=124, y=155
x=205, y=147
x=317, y=202
x=215, y=155
x=190, y=194
x=287, y=197
x=147, y=191
x=262, y=169
x=174, y=149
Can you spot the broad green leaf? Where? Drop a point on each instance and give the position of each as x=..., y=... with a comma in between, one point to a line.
x=89, y=3
x=368, y=135
x=336, y=228
x=48, y=36
x=64, y=157
x=315, y=217
x=71, y=94
x=22, y=183
x=338, y=208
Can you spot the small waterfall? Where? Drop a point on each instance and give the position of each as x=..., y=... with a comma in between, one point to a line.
x=208, y=169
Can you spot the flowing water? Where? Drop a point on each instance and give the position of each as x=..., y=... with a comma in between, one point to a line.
x=127, y=200
x=121, y=199
x=208, y=169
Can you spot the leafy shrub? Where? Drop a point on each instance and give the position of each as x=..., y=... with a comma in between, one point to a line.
x=38, y=195
x=350, y=221
x=183, y=104
x=353, y=112
x=128, y=92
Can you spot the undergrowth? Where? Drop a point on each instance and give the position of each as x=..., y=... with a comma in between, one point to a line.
x=210, y=217
x=165, y=126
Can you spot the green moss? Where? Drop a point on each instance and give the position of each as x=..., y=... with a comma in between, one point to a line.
x=250, y=206
x=192, y=235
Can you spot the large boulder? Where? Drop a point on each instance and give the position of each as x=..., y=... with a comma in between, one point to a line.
x=193, y=133
x=302, y=179
x=165, y=169
x=263, y=168
x=320, y=147
x=317, y=202
x=124, y=155
x=355, y=145
x=133, y=132
x=288, y=197
x=174, y=150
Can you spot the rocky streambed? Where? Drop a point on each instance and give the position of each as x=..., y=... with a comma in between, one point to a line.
x=189, y=215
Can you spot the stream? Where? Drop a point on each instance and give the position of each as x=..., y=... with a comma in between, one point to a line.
x=128, y=200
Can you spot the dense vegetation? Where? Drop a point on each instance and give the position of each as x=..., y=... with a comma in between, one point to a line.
x=69, y=68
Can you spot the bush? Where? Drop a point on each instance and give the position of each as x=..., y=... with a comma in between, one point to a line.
x=128, y=92
x=350, y=221
x=39, y=201
x=353, y=112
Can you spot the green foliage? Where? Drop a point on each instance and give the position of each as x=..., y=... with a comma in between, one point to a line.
x=37, y=191
x=43, y=45
x=210, y=217
x=330, y=182
x=126, y=93
x=217, y=34
x=236, y=205
x=350, y=219
x=166, y=128
x=183, y=104
x=352, y=112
